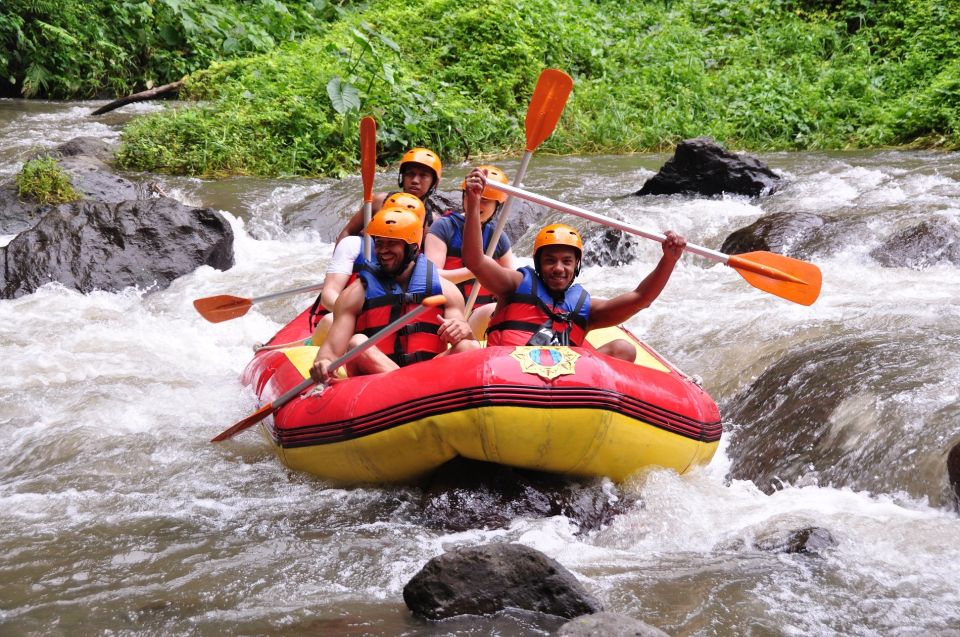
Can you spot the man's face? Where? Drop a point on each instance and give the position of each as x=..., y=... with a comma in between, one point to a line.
x=558, y=265
x=417, y=180
x=390, y=253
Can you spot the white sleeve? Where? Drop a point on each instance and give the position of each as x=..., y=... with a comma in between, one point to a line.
x=344, y=255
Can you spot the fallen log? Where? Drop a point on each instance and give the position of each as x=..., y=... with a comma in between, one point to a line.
x=142, y=96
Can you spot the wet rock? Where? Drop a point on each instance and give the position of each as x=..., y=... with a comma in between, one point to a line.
x=98, y=246
x=701, y=166
x=16, y=215
x=787, y=233
x=610, y=247
x=86, y=146
x=466, y=494
x=94, y=180
x=953, y=471
x=928, y=243
x=483, y=580
x=608, y=625
x=811, y=539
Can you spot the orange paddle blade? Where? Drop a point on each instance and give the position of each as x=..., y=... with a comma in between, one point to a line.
x=223, y=307
x=368, y=155
x=246, y=423
x=786, y=277
x=549, y=97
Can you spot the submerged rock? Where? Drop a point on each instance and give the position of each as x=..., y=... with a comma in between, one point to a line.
x=608, y=625
x=953, y=472
x=811, y=539
x=483, y=580
x=610, y=248
x=786, y=233
x=701, y=166
x=928, y=243
x=466, y=494
x=98, y=246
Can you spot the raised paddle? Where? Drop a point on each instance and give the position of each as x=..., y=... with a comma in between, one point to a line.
x=791, y=279
x=368, y=166
x=224, y=307
x=277, y=403
x=546, y=105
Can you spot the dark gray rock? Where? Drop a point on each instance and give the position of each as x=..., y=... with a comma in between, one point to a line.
x=466, y=494
x=16, y=215
x=608, y=625
x=811, y=539
x=483, y=580
x=97, y=246
x=609, y=247
x=86, y=146
x=787, y=233
x=701, y=166
x=953, y=471
x=928, y=243
x=94, y=180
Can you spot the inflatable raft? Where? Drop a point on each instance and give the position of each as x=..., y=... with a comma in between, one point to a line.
x=564, y=410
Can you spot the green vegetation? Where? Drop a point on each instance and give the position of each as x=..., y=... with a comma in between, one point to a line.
x=86, y=48
x=44, y=181
x=456, y=75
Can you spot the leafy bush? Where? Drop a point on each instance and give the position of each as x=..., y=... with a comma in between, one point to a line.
x=456, y=76
x=44, y=181
x=86, y=48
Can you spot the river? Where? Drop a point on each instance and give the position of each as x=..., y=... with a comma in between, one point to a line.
x=118, y=517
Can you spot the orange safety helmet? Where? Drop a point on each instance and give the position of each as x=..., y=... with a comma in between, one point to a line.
x=397, y=223
x=493, y=174
x=557, y=234
x=424, y=157
x=408, y=202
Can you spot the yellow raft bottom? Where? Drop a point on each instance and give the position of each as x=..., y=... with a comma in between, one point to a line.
x=585, y=442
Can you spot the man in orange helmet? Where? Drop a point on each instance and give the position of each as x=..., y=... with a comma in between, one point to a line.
x=420, y=172
x=542, y=305
x=397, y=283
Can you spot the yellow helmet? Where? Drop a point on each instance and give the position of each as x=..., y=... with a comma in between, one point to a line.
x=407, y=202
x=493, y=174
x=557, y=234
x=397, y=223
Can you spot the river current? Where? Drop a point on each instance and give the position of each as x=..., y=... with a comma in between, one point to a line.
x=118, y=517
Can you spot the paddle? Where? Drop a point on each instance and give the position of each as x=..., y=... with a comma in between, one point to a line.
x=277, y=403
x=547, y=103
x=791, y=279
x=368, y=166
x=224, y=307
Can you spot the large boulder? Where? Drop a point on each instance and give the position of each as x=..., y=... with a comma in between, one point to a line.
x=925, y=244
x=467, y=494
x=608, y=625
x=483, y=580
x=99, y=246
x=782, y=232
x=701, y=166
x=17, y=215
x=85, y=145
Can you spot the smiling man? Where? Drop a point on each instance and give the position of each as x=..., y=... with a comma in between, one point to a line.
x=542, y=305
x=397, y=283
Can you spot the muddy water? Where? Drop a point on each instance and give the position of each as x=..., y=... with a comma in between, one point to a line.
x=117, y=517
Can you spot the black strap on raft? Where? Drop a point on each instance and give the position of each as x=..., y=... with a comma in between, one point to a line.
x=317, y=312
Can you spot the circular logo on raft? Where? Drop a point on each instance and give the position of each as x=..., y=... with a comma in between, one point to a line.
x=546, y=362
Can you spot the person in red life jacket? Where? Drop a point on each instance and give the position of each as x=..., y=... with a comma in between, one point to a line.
x=443, y=245
x=345, y=264
x=420, y=172
x=542, y=305
x=399, y=280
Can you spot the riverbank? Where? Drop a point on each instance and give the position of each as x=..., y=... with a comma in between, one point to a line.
x=647, y=75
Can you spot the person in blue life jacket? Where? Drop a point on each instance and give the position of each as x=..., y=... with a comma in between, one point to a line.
x=396, y=283
x=542, y=305
x=420, y=172
x=345, y=264
x=443, y=245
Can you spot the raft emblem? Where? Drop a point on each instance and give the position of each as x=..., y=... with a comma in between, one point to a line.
x=546, y=362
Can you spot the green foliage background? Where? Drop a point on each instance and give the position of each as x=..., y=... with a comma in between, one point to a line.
x=457, y=76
